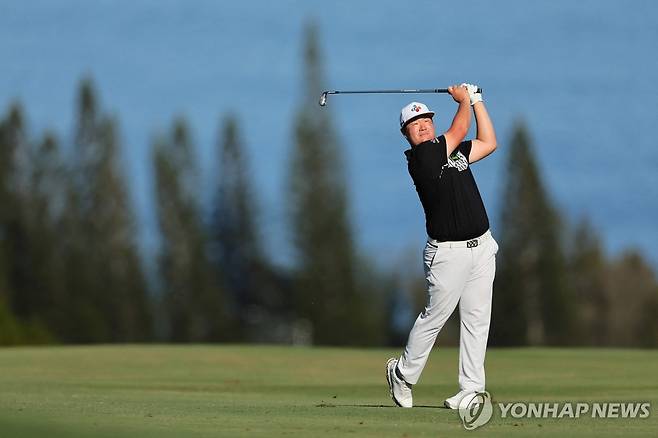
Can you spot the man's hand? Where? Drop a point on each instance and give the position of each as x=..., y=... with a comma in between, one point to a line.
x=473, y=94
x=459, y=93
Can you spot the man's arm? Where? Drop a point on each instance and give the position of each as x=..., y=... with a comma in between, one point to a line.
x=462, y=120
x=485, y=141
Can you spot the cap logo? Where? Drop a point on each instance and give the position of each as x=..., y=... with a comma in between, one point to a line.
x=415, y=108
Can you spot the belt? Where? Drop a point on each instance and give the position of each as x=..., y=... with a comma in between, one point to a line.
x=472, y=243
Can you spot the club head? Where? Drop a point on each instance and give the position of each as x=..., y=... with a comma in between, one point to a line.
x=323, y=99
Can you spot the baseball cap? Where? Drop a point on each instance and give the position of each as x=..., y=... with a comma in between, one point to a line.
x=413, y=111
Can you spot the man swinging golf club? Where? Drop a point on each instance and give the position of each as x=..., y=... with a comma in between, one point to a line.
x=460, y=254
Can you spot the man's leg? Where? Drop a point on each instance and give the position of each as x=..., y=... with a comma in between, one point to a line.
x=446, y=272
x=475, y=316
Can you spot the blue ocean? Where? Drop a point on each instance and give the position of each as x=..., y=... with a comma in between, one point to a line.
x=581, y=75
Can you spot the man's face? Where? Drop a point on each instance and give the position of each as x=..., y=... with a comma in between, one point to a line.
x=420, y=130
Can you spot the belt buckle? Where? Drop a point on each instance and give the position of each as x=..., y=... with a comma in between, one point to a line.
x=472, y=243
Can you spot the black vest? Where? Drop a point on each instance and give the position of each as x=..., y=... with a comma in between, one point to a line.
x=447, y=190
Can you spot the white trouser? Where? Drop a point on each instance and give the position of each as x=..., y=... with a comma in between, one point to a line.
x=456, y=272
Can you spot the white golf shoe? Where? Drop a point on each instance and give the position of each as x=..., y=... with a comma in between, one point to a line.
x=453, y=402
x=399, y=389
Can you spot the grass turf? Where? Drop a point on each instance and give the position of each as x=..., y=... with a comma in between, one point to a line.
x=168, y=391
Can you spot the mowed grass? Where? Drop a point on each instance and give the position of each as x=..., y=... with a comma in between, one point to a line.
x=181, y=391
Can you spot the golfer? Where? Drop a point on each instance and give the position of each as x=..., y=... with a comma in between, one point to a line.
x=460, y=254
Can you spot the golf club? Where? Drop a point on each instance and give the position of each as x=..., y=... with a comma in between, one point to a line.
x=325, y=94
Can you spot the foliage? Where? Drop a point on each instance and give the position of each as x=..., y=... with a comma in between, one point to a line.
x=193, y=304
x=326, y=290
x=258, y=294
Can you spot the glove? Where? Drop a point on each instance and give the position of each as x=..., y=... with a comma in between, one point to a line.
x=473, y=93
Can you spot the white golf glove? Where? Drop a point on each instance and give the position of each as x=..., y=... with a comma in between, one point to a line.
x=473, y=93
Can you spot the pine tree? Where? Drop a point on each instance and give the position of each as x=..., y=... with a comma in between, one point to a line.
x=255, y=286
x=193, y=303
x=104, y=274
x=532, y=299
x=326, y=290
x=24, y=298
x=43, y=191
x=125, y=297
x=238, y=250
x=588, y=268
x=13, y=236
x=633, y=299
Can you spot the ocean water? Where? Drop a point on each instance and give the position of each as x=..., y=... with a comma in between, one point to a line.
x=582, y=75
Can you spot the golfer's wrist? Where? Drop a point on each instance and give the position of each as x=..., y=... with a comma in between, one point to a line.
x=476, y=98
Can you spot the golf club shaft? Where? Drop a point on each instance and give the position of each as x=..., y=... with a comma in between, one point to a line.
x=323, y=98
x=426, y=90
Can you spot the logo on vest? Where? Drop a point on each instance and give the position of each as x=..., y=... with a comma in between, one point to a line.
x=456, y=160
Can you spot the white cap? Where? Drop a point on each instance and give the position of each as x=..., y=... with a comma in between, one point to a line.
x=413, y=111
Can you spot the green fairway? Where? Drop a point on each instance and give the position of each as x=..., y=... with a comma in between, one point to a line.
x=168, y=391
